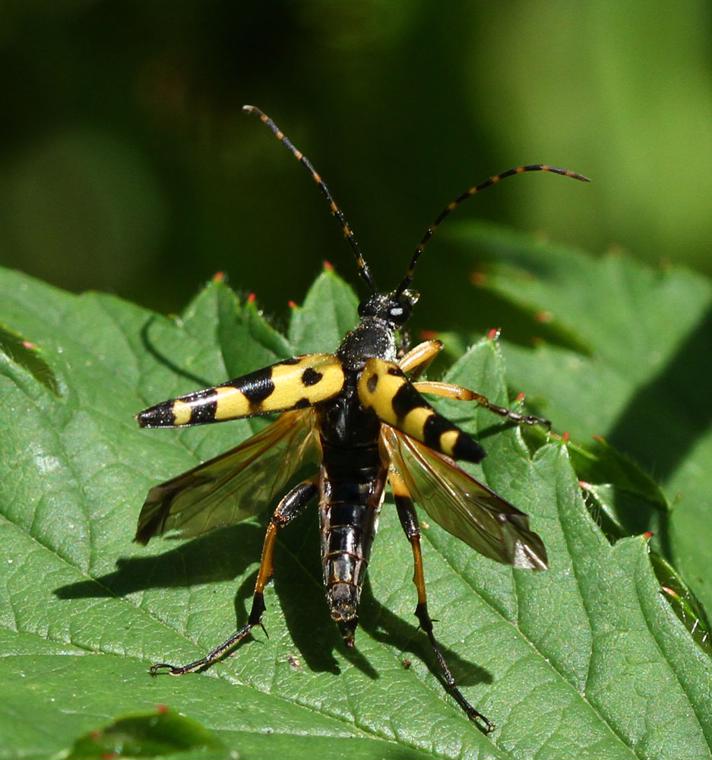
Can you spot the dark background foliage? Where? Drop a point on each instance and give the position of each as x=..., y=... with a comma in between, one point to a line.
x=126, y=164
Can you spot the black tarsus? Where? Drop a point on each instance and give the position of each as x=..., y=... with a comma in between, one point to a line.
x=409, y=521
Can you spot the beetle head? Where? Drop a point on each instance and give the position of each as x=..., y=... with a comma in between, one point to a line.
x=394, y=307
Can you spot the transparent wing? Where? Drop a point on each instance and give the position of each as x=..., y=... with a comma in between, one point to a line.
x=235, y=485
x=463, y=506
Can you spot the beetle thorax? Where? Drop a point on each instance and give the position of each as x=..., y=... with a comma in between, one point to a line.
x=371, y=338
x=376, y=335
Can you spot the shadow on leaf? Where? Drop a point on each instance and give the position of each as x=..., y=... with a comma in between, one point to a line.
x=665, y=418
x=226, y=554
x=672, y=410
x=161, y=358
x=207, y=559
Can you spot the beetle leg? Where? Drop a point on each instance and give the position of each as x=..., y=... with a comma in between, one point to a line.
x=409, y=521
x=290, y=506
x=458, y=393
x=416, y=361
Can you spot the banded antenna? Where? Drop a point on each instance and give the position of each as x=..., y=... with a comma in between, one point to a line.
x=363, y=268
x=430, y=231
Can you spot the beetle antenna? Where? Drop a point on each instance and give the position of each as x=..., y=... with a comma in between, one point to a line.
x=408, y=279
x=363, y=268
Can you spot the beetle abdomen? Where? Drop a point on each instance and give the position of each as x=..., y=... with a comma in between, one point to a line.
x=348, y=512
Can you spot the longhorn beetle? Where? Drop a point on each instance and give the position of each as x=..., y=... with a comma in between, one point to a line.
x=360, y=416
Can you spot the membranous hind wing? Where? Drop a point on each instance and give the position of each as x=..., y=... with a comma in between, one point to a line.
x=235, y=485
x=462, y=505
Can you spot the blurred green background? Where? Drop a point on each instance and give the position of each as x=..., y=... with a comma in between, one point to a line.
x=127, y=165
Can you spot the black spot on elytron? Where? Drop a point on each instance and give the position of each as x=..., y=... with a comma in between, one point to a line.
x=160, y=415
x=395, y=371
x=311, y=376
x=406, y=399
x=372, y=382
x=205, y=405
x=434, y=427
x=468, y=449
x=302, y=403
x=256, y=387
x=291, y=360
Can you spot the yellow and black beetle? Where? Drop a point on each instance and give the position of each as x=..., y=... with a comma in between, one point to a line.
x=360, y=415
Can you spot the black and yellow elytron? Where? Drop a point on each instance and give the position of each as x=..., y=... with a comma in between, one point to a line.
x=359, y=415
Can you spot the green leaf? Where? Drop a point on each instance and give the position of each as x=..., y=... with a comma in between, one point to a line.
x=27, y=354
x=328, y=313
x=629, y=502
x=245, y=338
x=686, y=607
x=159, y=734
x=642, y=385
x=586, y=660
